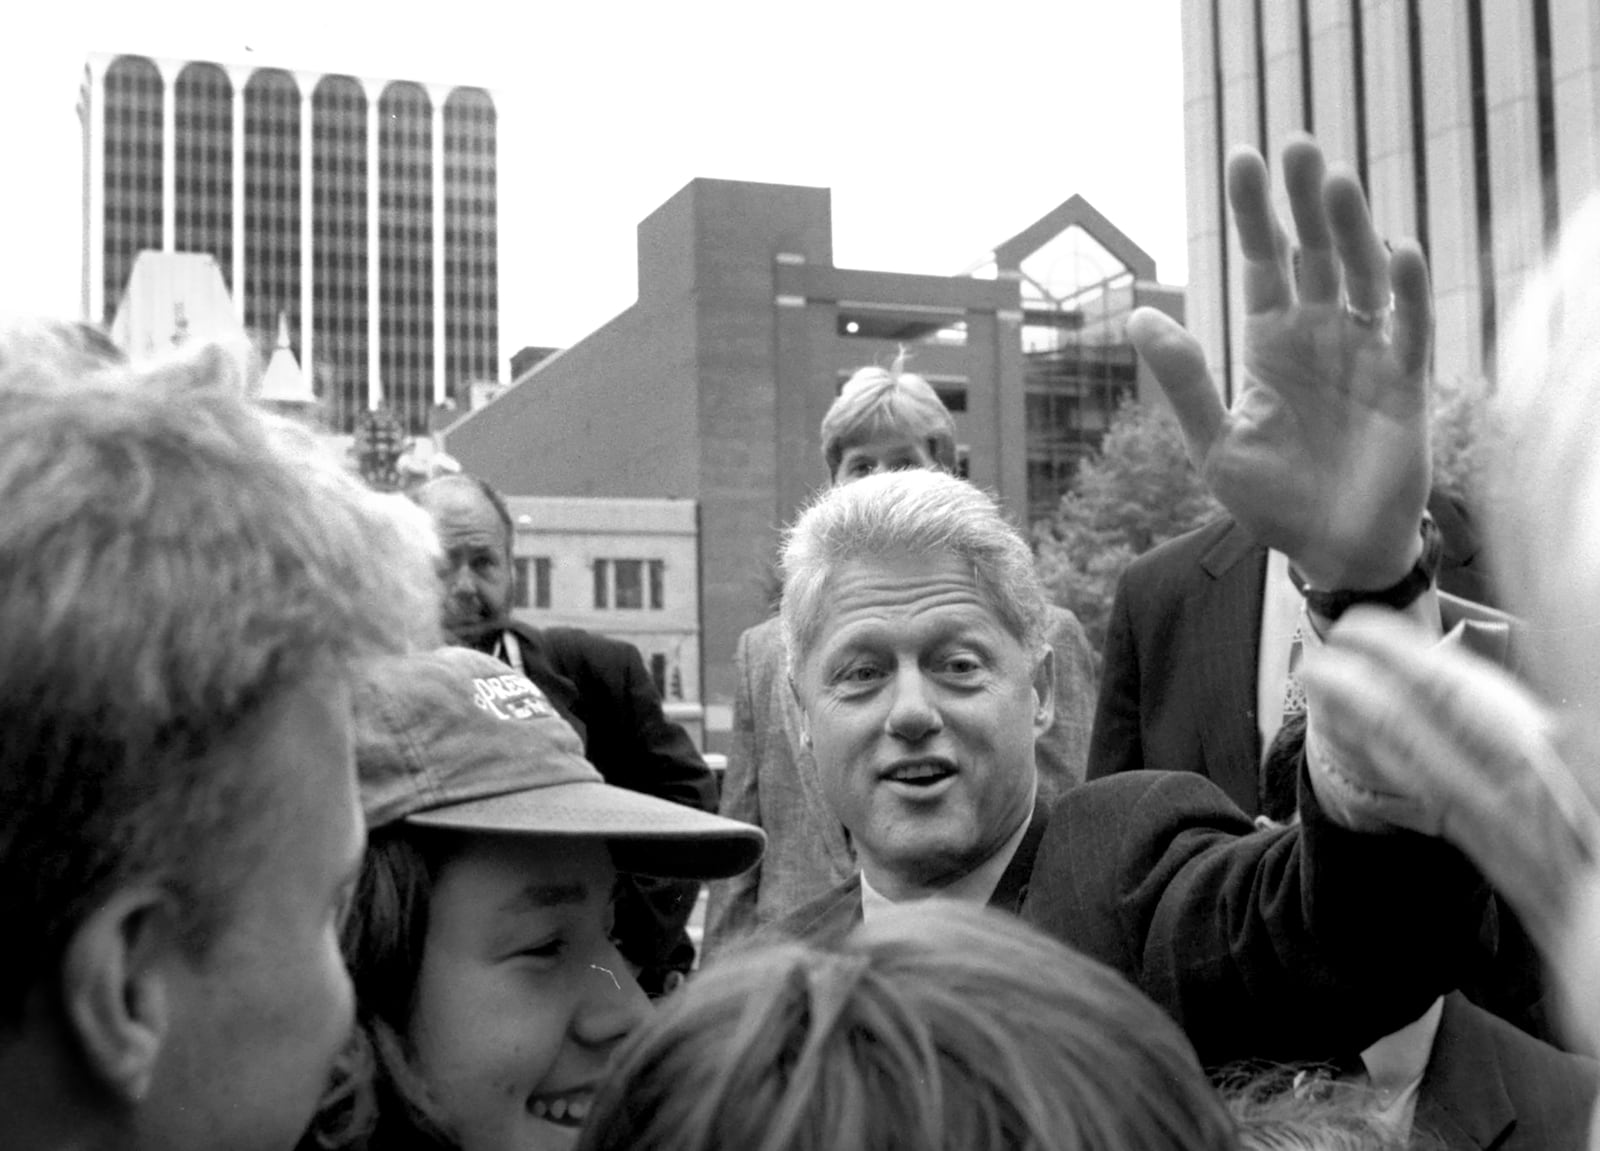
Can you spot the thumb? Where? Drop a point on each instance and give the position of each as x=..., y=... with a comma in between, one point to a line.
x=1179, y=366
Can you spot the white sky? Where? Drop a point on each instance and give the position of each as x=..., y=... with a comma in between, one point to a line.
x=942, y=129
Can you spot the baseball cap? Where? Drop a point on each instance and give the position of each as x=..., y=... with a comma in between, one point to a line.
x=456, y=739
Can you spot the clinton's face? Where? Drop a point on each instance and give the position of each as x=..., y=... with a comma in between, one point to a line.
x=922, y=710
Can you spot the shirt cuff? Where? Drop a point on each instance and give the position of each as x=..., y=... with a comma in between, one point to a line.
x=1344, y=792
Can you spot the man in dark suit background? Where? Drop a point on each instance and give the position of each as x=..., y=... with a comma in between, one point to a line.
x=598, y=685
x=1193, y=678
x=1182, y=675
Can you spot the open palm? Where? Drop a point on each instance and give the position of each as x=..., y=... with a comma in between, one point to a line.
x=1324, y=453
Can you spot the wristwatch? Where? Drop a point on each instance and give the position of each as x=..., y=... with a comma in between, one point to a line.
x=1331, y=605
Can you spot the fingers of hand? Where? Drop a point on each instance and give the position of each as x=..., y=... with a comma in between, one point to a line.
x=1261, y=236
x=1318, y=279
x=1365, y=259
x=1179, y=365
x=1471, y=745
x=1489, y=719
x=1451, y=796
x=1358, y=753
x=1413, y=308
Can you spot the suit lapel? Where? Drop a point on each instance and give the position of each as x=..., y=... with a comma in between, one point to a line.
x=1463, y=1097
x=1012, y=889
x=539, y=664
x=1227, y=644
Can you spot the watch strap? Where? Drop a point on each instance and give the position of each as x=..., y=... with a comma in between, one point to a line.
x=1331, y=605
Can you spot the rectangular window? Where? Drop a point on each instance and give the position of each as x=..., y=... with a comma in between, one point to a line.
x=658, y=672
x=630, y=584
x=602, y=582
x=658, y=584
x=902, y=326
x=519, y=583
x=541, y=581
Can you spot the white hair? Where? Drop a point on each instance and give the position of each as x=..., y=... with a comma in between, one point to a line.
x=1544, y=507
x=915, y=512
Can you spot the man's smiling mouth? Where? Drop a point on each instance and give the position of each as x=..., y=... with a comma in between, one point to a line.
x=919, y=772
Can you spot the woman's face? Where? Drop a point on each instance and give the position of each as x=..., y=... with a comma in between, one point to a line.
x=522, y=995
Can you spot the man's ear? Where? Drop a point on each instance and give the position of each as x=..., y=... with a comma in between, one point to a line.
x=115, y=987
x=1044, y=691
x=800, y=707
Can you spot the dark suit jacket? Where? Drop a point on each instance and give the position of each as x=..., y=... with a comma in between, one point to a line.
x=1178, y=679
x=1178, y=693
x=1294, y=944
x=771, y=780
x=601, y=687
x=1489, y=1085
x=834, y=914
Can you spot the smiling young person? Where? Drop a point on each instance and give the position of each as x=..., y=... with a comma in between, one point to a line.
x=489, y=991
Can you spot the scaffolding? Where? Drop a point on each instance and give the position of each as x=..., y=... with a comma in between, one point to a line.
x=1078, y=367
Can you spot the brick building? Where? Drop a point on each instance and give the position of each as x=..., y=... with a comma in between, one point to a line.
x=712, y=386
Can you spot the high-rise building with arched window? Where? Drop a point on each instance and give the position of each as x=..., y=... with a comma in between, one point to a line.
x=361, y=211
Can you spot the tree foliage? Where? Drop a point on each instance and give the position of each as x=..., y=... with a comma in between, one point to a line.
x=1459, y=433
x=1137, y=491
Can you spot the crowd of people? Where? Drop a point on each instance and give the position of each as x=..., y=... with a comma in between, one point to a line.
x=306, y=843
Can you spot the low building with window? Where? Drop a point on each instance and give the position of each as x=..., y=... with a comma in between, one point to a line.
x=710, y=389
x=627, y=568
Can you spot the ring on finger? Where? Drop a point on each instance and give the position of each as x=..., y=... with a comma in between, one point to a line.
x=1377, y=319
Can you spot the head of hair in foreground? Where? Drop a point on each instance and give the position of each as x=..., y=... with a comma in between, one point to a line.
x=895, y=514
x=1544, y=492
x=881, y=403
x=1544, y=521
x=939, y=1025
x=47, y=353
x=1298, y=1109
x=176, y=565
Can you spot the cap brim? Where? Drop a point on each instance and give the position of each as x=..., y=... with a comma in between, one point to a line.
x=649, y=836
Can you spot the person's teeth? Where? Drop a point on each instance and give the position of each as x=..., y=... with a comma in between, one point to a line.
x=578, y=1110
x=539, y=1110
x=558, y=1108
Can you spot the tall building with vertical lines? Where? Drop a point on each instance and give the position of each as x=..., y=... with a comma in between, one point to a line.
x=361, y=210
x=1473, y=124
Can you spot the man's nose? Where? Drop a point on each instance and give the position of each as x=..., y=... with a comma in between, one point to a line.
x=461, y=582
x=913, y=713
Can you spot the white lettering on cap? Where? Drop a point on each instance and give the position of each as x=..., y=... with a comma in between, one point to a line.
x=511, y=697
